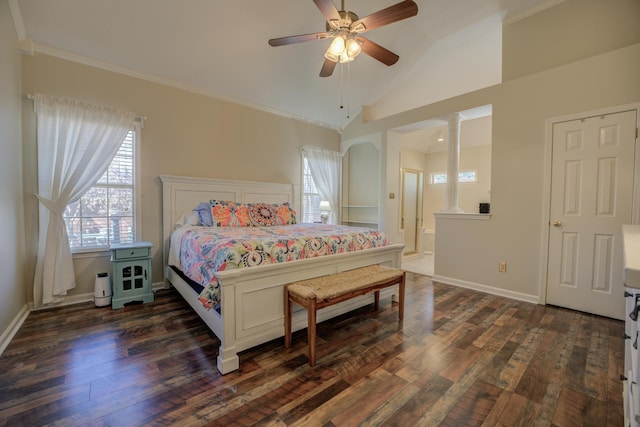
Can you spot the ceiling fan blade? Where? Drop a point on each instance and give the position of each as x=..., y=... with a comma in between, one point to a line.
x=389, y=15
x=378, y=52
x=281, y=41
x=327, y=68
x=328, y=10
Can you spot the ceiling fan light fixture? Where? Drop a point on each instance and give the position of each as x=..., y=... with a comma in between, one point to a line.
x=346, y=58
x=348, y=53
x=337, y=46
x=352, y=47
x=331, y=56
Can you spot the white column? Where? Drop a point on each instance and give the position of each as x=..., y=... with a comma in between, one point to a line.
x=453, y=164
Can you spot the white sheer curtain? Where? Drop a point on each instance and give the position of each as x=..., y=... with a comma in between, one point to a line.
x=76, y=143
x=325, y=166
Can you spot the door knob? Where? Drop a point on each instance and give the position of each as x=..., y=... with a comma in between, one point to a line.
x=557, y=223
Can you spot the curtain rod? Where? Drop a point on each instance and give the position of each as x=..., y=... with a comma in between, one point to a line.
x=138, y=118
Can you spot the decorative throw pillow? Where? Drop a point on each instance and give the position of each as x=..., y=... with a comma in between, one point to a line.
x=229, y=214
x=263, y=215
x=286, y=215
x=204, y=213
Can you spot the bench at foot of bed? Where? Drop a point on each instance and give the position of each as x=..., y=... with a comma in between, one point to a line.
x=324, y=291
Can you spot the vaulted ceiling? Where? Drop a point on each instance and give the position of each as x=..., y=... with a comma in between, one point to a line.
x=220, y=49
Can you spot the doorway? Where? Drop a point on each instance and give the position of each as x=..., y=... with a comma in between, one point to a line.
x=411, y=215
x=591, y=196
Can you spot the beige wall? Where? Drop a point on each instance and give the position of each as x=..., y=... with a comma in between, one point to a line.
x=12, y=286
x=470, y=194
x=184, y=134
x=364, y=174
x=361, y=185
x=467, y=250
x=566, y=33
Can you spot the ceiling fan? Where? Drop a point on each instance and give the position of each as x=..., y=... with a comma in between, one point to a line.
x=345, y=27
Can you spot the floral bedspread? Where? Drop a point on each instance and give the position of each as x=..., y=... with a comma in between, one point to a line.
x=206, y=250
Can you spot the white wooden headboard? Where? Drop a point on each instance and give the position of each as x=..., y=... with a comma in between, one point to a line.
x=181, y=194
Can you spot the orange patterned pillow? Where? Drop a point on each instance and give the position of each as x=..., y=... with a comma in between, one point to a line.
x=263, y=215
x=286, y=214
x=229, y=214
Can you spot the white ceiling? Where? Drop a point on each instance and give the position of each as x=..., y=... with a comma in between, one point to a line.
x=220, y=48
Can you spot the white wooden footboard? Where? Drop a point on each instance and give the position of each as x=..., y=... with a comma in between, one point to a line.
x=253, y=298
x=252, y=310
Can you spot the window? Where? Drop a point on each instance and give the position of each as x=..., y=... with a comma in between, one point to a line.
x=323, y=183
x=105, y=214
x=310, y=197
x=464, y=176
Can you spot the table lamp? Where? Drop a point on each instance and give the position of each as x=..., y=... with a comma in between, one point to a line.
x=324, y=208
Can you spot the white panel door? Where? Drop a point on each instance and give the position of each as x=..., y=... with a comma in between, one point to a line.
x=591, y=197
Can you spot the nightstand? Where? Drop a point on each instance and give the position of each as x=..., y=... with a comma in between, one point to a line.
x=131, y=273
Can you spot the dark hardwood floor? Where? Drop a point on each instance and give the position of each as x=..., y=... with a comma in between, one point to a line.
x=460, y=358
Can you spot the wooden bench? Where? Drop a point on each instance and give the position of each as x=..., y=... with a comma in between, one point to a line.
x=320, y=292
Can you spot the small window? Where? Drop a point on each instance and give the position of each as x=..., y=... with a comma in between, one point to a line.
x=105, y=214
x=310, y=197
x=439, y=178
x=465, y=176
x=468, y=176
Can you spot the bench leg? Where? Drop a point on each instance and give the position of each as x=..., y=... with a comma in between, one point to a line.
x=287, y=319
x=311, y=330
x=401, y=302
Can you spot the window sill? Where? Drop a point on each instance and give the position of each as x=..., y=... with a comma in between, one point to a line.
x=91, y=253
x=463, y=215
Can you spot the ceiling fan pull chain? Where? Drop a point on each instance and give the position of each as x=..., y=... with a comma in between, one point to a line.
x=348, y=81
x=341, y=85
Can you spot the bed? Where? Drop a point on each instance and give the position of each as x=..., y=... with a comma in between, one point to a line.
x=251, y=309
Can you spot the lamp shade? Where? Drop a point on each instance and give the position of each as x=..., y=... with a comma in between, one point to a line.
x=337, y=45
x=352, y=48
x=324, y=206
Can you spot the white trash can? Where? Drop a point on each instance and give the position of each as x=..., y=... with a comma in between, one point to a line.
x=102, y=290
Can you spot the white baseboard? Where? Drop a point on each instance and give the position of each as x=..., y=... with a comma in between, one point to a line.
x=13, y=328
x=86, y=297
x=69, y=300
x=487, y=289
x=411, y=257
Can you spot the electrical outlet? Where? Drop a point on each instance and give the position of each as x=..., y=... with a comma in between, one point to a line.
x=502, y=267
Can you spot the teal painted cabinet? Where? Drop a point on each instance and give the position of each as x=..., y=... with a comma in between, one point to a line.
x=131, y=273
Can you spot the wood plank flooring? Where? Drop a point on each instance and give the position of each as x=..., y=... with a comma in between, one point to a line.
x=459, y=358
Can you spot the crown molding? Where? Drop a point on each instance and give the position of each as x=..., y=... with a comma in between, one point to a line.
x=18, y=23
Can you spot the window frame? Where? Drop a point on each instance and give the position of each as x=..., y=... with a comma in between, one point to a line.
x=305, y=161
x=90, y=252
x=474, y=171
